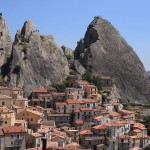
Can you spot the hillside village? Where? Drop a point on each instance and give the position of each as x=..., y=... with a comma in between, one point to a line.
x=81, y=117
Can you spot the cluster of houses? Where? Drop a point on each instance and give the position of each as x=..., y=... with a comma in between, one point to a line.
x=77, y=119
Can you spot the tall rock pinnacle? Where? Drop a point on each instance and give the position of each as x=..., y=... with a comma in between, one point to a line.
x=37, y=60
x=5, y=42
x=104, y=51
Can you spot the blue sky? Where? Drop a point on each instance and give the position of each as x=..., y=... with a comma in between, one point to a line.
x=67, y=20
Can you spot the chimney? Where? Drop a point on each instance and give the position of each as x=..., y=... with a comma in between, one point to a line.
x=44, y=141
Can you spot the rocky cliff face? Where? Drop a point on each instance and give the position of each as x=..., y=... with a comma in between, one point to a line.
x=104, y=51
x=5, y=46
x=36, y=60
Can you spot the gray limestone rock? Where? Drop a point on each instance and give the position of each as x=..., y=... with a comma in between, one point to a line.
x=104, y=51
x=36, y=60
x=5, y=43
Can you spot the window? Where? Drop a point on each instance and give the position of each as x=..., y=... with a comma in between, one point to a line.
x=31, y=119
x=1, y=34
x=11, y=136
x=17, y=136
x=3, y=103
x=5, y=122
x=11, y=143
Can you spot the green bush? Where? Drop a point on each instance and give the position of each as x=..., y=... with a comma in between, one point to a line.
x=68, y=57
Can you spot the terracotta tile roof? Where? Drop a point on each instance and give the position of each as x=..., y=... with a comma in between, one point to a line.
x=123, y=111
x=36, y=134
x=135, y=148
x=86, y=109
x=83, y=82
x=100, y=127
x=141, y=128
x=114, y=124
x=14, y=129
x=114, y=114
x=85, y=132
x=72, y=101
x=40, y=90
x=137, y=130
x=105, y=77
x=136, y=124
x=58, y=115
x=45, y=95
x=55, y=94
x=80, y=122
x=91, y=86
x=127, y=117
x=89, y=100
x=60, y=103
x=34, y=112
x=98, y=117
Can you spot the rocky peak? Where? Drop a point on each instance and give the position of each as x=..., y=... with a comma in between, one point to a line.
x=104, y=51
x=37, y=60
x=5, y=42
x=27, y=29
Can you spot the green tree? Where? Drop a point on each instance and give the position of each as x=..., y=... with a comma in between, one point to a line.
x=146, y=122
x=87, y=76
x=98, y=82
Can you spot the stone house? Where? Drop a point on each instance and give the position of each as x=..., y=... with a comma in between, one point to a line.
x=124, y=142
x=20, y=102
x=83, y=134
x=6, y=101
x=6, y=91
x=7, y=117
x=108, y=107
x=118, y=106
x=36, y=92
x=74, y=93
x=100, y=130
x=82, y=83
x=22, y=123
x=69, y=106
x=17, y=93
x=127, y=115
x=13, y=138
x=90, y=90
x=74, y=134
x=59, y=118
x=101, y=120
x=34, y=118
x=34, y=140
x=90, y=103
x=114, y=130
x=84, y=114
x=114, y=115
